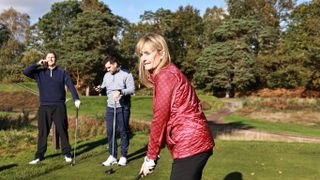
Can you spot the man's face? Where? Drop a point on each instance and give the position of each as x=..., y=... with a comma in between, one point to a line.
x=111, y=67
x=51, y=59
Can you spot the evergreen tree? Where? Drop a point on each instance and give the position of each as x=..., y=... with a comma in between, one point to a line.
x=47, y=32
x=212, y=18
x=87, y=42
x=229, y=64
x=300, y=62
x=4, y=34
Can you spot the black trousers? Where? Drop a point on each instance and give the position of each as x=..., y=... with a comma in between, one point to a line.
x=189, y=168
x=57, y=114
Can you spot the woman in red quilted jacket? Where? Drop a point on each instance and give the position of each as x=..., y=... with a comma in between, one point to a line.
x=177, y=113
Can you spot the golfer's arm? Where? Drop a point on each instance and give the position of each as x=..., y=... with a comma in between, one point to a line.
x=71, y=87
x=130, y=89
x=164, y=85
x=103, y=85
x=29, y=71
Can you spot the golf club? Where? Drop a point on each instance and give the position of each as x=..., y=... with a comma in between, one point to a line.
x=75, y=139
x=139, y=176
x=111, y=171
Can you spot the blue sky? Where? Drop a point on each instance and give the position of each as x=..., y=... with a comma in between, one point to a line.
x=132, y=9
x=129, y=9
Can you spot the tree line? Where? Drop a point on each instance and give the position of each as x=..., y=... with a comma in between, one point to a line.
x=252, y=44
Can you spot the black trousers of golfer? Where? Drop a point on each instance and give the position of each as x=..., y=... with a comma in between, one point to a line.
x=122, y=122
x=57, y=114
x=189, y=168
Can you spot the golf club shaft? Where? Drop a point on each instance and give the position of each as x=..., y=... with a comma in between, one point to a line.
x=75, y=137
x=114, y=128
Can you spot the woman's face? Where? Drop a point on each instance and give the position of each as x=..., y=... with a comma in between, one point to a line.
x=150, y=57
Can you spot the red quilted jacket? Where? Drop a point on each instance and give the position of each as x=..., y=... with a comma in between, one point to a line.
x=177, y=116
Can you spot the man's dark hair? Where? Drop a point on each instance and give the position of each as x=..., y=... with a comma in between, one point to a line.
x=113, y=60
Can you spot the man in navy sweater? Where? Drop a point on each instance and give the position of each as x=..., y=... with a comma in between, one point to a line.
x=52, y=81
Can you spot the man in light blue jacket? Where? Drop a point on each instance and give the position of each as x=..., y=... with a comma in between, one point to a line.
x=119, y=86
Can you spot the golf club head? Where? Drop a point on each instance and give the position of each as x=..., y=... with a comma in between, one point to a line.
x=109, y=171
x=139, y=176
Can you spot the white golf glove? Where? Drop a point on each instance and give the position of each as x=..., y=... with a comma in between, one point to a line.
x=77, y=103
x=147, y=166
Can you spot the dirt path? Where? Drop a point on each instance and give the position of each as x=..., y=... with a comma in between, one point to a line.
x=239, y=131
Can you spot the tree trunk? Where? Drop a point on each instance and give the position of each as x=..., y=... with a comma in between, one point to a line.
x=88, y=90
x=227, y=93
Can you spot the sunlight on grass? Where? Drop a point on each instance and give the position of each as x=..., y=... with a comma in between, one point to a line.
x=251, y=160
x=274, y=126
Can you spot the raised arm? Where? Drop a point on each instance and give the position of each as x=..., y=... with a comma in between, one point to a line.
x=31, y=70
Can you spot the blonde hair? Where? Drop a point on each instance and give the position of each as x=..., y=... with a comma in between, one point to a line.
x=157, y=42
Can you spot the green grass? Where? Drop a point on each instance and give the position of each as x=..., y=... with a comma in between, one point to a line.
x=251, y=160
x=94, y=106
x=264, y=160
x=3, y=114
x=9, y=87
x=276, y=127
x=141, y=106
x=214, y=102
x=248, y=159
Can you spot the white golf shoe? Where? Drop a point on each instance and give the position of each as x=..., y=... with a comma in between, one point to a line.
x=122, y=161
x=68, y=158
x=35, y=161
x=111, y=160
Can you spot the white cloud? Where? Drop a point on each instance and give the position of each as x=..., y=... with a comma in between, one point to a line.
x=34, y=8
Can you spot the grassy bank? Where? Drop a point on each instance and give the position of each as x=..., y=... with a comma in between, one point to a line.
x=274, y=127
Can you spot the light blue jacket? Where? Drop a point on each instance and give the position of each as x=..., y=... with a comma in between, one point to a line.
x=121, y=80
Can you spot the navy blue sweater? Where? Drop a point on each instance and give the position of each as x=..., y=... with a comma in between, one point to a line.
x=51, y=84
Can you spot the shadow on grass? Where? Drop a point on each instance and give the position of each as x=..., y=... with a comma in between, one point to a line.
x=89, y=146
x=219, y=127
x=227, y=128
x=83, y=148
x=53, y=155
x=233, y=176
x=137, y=154
x=2, y=168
